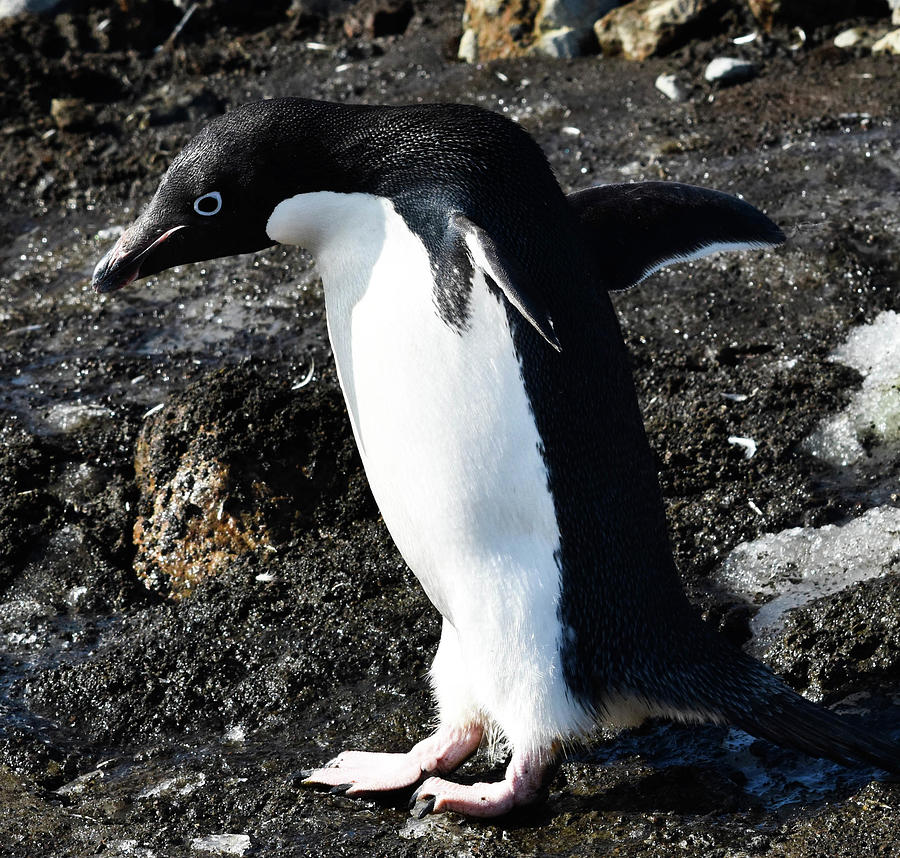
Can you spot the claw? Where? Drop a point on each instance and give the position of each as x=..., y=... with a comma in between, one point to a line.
x=339, y=789
x=421, y=809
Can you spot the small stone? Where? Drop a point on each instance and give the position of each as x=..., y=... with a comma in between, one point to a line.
x=670, y=87
x=857, y=37
x=71, y=114
x=726, y=71
x=468, y=47
x=848, y=38
x=889, y=44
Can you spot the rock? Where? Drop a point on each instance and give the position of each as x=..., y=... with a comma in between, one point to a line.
x=726, y=71
x=71, y=114
x=848, y=38
x=555, y=28
x=670, y=87
x=646, y=27
x=232, y=468
x=374, y=18
x=840, y=643
x=857, y=37
x=575, y=14
x=562, y=44
x=889, y=44
x=468, y=47
x=499, y=29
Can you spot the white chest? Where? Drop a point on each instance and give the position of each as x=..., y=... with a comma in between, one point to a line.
x=441, y=417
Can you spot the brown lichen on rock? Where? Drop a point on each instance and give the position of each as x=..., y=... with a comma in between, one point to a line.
x=501, y=29
x=190, y=531
x=234, y=466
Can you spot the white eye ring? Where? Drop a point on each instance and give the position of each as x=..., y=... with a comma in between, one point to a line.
x=215, y=196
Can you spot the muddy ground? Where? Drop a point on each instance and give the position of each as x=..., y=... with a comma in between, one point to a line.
x=133, y=723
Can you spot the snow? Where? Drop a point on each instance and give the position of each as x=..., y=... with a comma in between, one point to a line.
x=787, y=569
x=873, y=414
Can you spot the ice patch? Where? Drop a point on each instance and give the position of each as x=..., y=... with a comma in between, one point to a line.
x=222, y=844
x=179, y=785
x=873, y=415
x=787, y=569
x=130, y=848
x=70, y=417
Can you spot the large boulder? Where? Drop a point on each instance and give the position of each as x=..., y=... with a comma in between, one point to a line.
x=644, y=28
x=560, y=28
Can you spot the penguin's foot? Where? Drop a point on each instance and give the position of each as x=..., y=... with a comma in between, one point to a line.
x=353, y=772
x=524, y=784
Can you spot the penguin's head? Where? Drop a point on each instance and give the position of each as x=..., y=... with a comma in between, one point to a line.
x=214, y=200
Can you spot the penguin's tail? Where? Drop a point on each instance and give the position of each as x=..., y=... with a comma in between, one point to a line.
x=754, y=699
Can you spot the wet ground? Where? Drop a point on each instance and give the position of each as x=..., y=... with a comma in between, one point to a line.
x=134, y=723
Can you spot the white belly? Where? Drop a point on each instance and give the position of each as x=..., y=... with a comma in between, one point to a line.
x=447, y=438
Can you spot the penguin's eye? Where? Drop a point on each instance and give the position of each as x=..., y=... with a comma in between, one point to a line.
x=208, y=204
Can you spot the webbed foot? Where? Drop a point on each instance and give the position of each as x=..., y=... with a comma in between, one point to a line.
x=523, y=784
x=355, y=772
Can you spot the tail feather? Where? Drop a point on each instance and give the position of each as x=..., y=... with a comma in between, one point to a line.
x=786, y=718
x=731, y=687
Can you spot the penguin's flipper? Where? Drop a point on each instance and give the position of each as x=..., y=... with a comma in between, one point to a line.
x=638, y=228
x=508, y=277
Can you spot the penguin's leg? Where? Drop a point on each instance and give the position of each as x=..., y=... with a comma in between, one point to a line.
x=457, y=737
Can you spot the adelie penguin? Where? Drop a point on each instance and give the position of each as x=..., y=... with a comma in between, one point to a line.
x=490, y=395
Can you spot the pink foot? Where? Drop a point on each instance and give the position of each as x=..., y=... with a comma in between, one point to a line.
x=525, y=777
x=354, y=772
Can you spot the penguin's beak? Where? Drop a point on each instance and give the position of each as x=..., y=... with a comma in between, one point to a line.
x=134, y=255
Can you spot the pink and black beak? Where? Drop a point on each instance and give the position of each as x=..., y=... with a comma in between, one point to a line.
x=136, y=254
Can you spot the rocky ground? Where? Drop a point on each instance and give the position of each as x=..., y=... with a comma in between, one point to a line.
x=197, y=596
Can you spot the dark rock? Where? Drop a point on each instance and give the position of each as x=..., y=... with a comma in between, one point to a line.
x=804, y=14
x=374, y=18
x=838, y=644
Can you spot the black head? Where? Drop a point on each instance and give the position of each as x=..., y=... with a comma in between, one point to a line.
x=217, y=196
x=214, y=200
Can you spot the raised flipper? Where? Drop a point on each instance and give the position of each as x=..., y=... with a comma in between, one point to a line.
x=638, y=228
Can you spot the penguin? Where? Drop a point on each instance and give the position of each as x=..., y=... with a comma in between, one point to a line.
x=490, y=395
